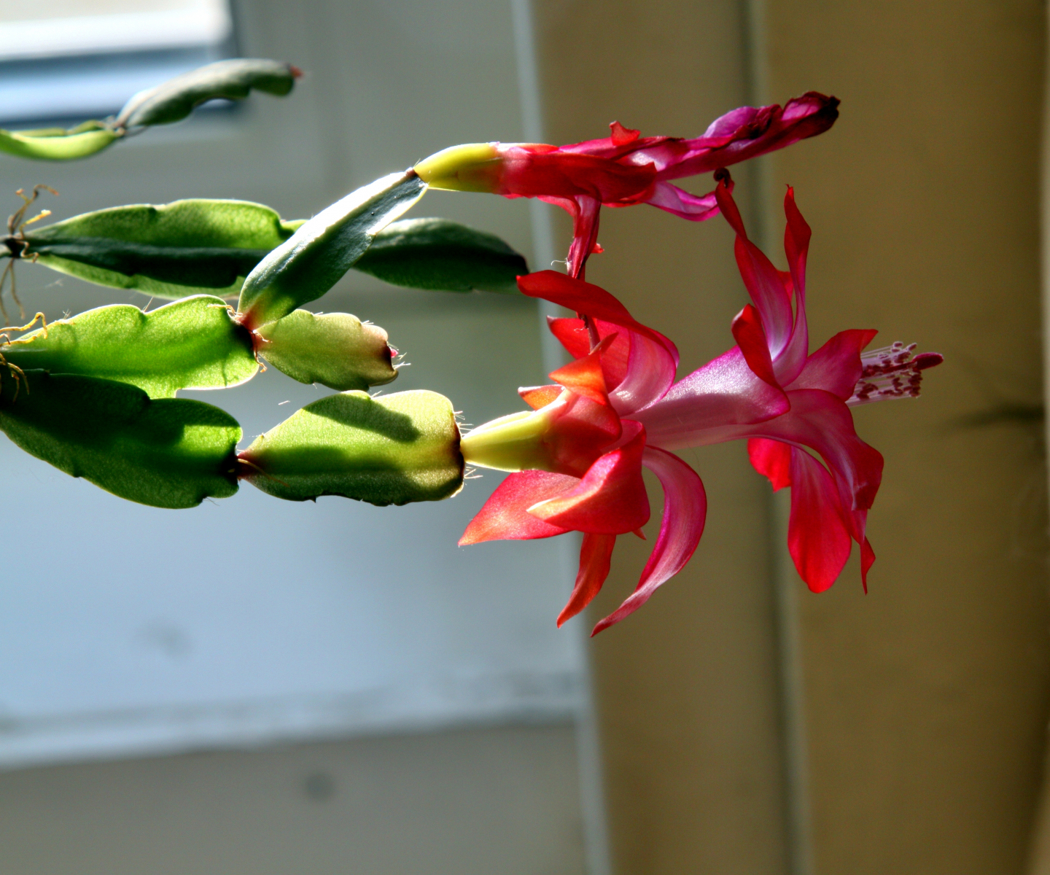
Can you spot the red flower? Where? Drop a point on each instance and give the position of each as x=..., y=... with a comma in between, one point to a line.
x=616, y=408
x=625, y=168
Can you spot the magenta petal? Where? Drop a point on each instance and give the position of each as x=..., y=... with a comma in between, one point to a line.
x=672, y=199
x=749, y=336
x=505, y=514
x=818, y=539
x=685, y=510
x=712, y=404
x=649, y=374
x=823, y=422
x=762, y=280
x=836, y=366
x=595, y=558
x=772, y=459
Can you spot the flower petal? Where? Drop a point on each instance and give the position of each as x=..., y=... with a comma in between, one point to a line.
x=595, y=557
x=749, y=336
x=818, y=538
x=539, y=396
x=762, y=279
x=610, y=499
x=505, y=514
x=685, y=510
x=823, y=422
x=711, y=405
x=674, y=200
x=772, y=459
x=836, y=366
x=573, y=335
x=584, y=297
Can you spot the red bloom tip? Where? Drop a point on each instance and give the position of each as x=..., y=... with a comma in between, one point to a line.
x=622, y=136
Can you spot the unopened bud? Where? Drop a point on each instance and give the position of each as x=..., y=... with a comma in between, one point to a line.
x=470, y=167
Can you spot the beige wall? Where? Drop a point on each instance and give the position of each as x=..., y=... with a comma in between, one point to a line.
x=926, y=701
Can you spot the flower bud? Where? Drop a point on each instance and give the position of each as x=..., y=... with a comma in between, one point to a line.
x=470, y=167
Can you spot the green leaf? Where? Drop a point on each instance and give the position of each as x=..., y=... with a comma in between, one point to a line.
x=388, y=450
x=444, y=256
x=336, y=350
x=58, y=144
x=232, y=80
x=168, y=453
x=324, y=248
x=167, y=250
x=191, y=344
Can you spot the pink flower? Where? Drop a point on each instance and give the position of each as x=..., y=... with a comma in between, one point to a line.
x=578, y=455
x=625, y=168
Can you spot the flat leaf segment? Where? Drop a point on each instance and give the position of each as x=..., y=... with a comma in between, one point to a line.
x=191, y=344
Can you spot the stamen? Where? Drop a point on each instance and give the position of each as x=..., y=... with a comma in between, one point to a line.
x=892, y=372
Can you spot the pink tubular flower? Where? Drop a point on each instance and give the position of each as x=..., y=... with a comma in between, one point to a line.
x=625, y=168
x=578, y=455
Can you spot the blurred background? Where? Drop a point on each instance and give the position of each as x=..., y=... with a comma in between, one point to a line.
x=265, y=687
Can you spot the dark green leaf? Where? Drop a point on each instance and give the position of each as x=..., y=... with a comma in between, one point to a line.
x=388, y=450
x=336, y=350
x=167, y=250
x=442, y=255
x=191, y=344
x=168, y=453
x=58, y=144
x=231, y=80
x=324, y=248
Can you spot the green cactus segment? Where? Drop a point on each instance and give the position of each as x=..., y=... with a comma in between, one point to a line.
x=444, y=256
x=191, y=344
x=388, y=450
x=168, y=453
x=324, y=248
x=336, y=350
x=232, y=80
x=58, y=144
x=168, y=250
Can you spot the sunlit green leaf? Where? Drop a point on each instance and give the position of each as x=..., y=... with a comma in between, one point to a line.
x=388, y=450
x=167, y=453
x=444, y=256
x=58, y=144
x=168, y=250
x=324, y=248
x=232, y=80
x=335, y=349
x=190, y=344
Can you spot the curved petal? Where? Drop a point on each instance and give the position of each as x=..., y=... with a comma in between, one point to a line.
x=822, y=422
x=505, y=514
x=818, y=537
x=749, y=336
x=763, y=281
x=650, y=373
x=584, y=297
x=595, y=557
x=836, y=366
x=711, y=404
x=772, y=459
x=539, y=396
x=796, y=246
x=610, y=499
x=674, y=200
x=685, y=510
x=573, y=335
x=749, y=131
